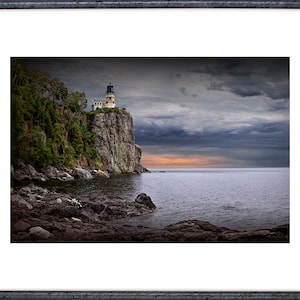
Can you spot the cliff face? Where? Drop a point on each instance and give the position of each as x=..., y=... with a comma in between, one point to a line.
x=115, y=142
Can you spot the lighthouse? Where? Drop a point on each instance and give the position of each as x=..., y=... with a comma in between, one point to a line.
x=109, y=101
x=110, y=97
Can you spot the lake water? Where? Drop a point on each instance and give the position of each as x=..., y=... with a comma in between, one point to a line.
x=242, y=199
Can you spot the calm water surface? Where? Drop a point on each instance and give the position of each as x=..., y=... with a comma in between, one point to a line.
x=242, y=199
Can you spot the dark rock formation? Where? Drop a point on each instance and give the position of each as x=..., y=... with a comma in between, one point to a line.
x=138, y=168
x=57, y=212
x=27, y=173
x=53, y=173
x=39, y=233
x=81, y=173
x=115, y=142
x=145, y=200
x=201, y=231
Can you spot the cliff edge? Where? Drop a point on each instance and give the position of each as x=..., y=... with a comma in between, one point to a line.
x=115, y=142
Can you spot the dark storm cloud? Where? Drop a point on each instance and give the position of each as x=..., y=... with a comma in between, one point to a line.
x=249, y=77
x=266, y=135
x=236, y=108
x=183, y=91
x=248, y=87
x=264, y=144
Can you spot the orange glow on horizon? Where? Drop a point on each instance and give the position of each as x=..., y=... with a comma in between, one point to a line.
x=178, y=161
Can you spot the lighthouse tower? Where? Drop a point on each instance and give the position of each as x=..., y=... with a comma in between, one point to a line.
x=110, y=97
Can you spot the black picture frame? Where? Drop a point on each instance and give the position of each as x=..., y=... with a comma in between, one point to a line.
x=146, y=295
x=17, y=4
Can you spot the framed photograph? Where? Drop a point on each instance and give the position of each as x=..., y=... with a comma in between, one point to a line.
x=238, y=54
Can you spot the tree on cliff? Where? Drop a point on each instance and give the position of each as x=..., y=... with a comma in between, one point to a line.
x=45, y=130
x=76, y=101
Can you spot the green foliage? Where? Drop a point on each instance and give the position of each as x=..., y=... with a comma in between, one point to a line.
x=89, y=140
x=33, y=148
x=75, y=137
x=48, y=126
x=106, y=110
x=76, y=101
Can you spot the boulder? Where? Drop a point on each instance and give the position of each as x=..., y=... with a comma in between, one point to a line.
x=33, y=193
x=39, y=233
x=35, y=175
x=25, y=191
x=54, y=173
x=64, y=211
x=101, y=173
x=19, y=175
x=16, y=198
x=21, y=202
x=51, y=172
x=74, y=202
x=28, y=173
x=33, y=190
x=21, y=226
x=39, y=190
x=64, y=176
x=82, y=173
x=145, y=200
x=58, y=201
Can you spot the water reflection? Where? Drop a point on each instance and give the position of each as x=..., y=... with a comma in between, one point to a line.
x=126, y=186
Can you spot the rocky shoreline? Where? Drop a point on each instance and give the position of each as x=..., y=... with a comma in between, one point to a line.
x=50, y=215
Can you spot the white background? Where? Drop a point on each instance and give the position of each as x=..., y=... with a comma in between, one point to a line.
x=152, y=267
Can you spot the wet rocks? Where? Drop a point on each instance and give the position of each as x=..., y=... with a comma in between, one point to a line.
x=21, y=226
x=145, y=200
x=261, y=235
x=100, y=173
x=40, y=214
x=107, y=208
x=194, y=226
x=20, y=202
x=53, y=173
x=201, y=231
x=81, y=173
x=27, y=173
x=63, y=211
x=39, y=233
x=56, y=212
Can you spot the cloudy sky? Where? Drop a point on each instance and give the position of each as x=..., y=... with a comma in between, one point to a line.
x=193, y=112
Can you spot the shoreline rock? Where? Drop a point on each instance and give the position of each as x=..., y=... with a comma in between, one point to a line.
x=62, y=217
x=27, y=174
x=79, y=172
x=53, y=173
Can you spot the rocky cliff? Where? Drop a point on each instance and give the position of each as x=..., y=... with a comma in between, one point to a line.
x=115, y=142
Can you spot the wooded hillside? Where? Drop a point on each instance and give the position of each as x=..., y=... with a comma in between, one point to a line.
x=48, y=122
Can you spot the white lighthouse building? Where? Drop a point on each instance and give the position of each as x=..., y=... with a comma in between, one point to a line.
x=109, y=101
